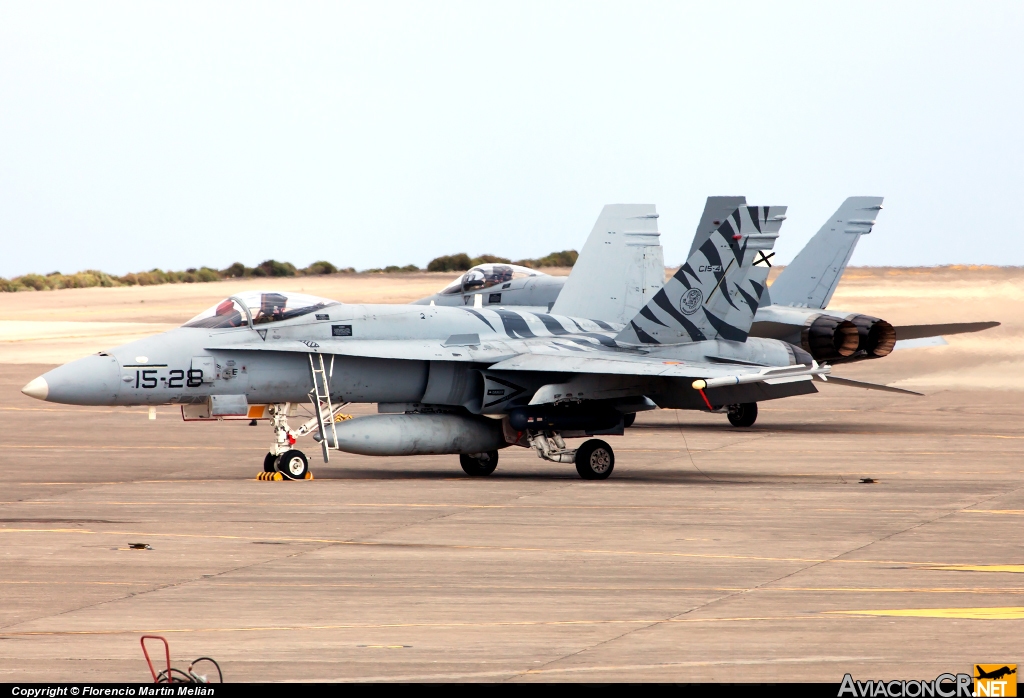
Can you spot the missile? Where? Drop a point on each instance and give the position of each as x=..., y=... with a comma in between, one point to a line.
x=783, y=375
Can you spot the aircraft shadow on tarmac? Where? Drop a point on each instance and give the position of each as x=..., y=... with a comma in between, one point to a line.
x=831, y=428
x=679, y=473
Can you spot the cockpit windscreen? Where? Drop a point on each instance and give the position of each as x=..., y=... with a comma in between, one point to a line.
x=486, y=275
x=262, y=306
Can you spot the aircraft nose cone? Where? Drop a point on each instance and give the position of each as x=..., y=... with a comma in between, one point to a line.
x=92, y=380
x=37, y=388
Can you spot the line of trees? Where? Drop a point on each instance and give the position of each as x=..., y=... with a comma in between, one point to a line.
x=269, y=268
x=462, y=261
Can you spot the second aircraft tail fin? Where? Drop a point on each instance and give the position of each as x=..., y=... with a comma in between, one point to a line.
x=811, y=278
x=619, y=269
x=716, y=293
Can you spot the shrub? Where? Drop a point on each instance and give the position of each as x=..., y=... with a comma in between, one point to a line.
x=565, y=258
x=451, y=262
x=489, y=259
x=320, y=267
x=272, y=267
x=236, y=271
x=206, y=275
x=34, y=282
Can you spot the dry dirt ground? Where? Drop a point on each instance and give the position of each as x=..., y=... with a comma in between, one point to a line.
x=711, y=554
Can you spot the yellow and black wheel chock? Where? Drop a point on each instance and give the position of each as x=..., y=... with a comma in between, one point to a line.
x=277, y=477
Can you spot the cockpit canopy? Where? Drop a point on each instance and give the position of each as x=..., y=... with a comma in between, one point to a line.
x=486, y=275
x=259, y=306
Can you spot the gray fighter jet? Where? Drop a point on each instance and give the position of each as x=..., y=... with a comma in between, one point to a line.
x=473, y=380
x=500, y=284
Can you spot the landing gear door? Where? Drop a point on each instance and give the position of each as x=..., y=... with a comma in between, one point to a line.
x=203, y=371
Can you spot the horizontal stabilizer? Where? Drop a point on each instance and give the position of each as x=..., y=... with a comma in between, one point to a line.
x=919, y=331
x=868, y=386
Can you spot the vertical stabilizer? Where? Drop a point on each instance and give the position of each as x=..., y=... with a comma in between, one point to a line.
x=811, y=278
x=619, y=269
x=716, y=293
x=716, y=210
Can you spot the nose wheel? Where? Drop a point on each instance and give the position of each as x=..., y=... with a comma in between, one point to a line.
x=290, y=465
x=293, y=465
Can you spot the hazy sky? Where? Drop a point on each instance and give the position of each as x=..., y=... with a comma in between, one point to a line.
x=144, y=134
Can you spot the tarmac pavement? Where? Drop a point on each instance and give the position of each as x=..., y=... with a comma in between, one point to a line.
x=712, y=553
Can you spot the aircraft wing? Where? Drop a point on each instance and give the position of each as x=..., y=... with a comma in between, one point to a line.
x=409, y=349
x=705, y=374
x=633, y=365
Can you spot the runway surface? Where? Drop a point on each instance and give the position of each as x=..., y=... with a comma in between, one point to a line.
x=712, y=553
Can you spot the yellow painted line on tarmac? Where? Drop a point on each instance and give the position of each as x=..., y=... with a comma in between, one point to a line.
x=1005, y=512
x=997, y=613
x=1018, y=569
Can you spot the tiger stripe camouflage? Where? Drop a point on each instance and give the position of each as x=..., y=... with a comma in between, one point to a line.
x=716, y=293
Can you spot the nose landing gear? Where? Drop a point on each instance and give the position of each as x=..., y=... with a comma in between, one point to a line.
x=284, y=462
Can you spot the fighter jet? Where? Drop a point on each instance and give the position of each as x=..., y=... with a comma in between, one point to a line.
x=500, y=284
x=473, y=380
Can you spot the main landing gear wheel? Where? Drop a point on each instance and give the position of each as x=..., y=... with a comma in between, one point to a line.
x=627, y=420
x=743, y=415
x=293, y=465
x=270, y=463
x=595, y=460
x=478, y=464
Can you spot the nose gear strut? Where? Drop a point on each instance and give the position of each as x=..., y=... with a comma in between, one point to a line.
x=325, y=415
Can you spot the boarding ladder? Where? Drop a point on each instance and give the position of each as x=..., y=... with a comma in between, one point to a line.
x=320, y=396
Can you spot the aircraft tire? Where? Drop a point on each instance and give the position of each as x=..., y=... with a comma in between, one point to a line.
x=595, y=460
x=743, y=415
x=627, y=420
x=478, y=467
x=270, y=463
x=293, y=465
